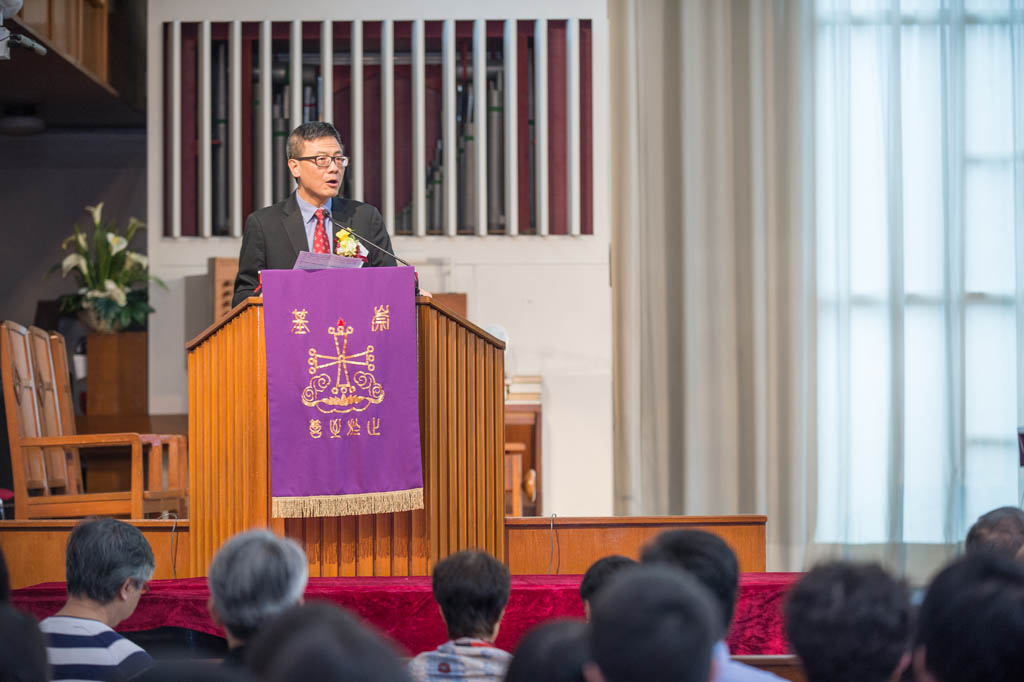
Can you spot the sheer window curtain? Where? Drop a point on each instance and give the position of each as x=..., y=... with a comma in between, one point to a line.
x=919, y=194
x=712, y=263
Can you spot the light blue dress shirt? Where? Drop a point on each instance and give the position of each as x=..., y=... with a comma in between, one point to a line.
x=308, y=212
x=733, y=671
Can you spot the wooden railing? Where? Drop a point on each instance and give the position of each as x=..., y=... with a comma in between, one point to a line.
x=461, y=376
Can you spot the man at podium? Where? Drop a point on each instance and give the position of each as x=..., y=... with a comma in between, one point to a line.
x=308, y=219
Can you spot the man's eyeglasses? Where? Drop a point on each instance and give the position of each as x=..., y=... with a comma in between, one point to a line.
x=142, y=587
x=323, y=161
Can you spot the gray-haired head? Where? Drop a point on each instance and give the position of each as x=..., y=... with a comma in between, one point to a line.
x=309, y=131
x=102, y=553
x=254, y=576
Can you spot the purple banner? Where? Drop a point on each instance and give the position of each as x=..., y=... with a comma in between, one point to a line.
x=342, y=391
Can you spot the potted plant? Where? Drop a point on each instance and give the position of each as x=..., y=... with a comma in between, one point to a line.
x=112, y=279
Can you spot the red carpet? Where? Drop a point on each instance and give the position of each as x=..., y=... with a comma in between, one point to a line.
x=405, y=609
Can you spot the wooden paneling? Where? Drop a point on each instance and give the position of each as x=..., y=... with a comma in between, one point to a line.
x=117, y=379
x=77, y=28
x=35, y=549
x=571, y=545
x=461, y=381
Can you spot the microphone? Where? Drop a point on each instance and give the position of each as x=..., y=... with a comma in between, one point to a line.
x=367, y=242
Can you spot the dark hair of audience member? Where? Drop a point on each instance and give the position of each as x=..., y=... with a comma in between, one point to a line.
x=849, y=622
x=472, y=589
x=5, y=581
x=971, y=624
x=1000, y=530
x=193, y=671
x=22, y=648
x=601, y=572
x=320, y=641
x=708, y=558
x=654, y=623
x=551, y=652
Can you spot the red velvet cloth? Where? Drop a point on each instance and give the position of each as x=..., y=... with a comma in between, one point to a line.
x=405, y=609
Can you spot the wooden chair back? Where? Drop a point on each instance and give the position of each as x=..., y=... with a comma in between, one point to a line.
x=65, y=405
x=45, y=448
x=55, y=459
x=22, y=407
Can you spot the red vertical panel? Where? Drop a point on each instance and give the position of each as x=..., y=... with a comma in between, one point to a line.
x=189, y=131
x=167, y=129
x=403, y=133
x=372, y=171
x=586, y=130
x=557, y=129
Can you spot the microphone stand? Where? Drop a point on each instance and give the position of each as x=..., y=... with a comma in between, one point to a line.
x=367, y=242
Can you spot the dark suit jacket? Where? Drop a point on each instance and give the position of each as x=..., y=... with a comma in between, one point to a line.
x=274, y=236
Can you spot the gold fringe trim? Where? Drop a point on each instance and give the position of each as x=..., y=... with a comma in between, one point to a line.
x=347, y=505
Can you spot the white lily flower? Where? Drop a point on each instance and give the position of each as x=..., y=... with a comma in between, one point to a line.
x=72, y=261
x=84, y=245
x=117, y=243
x=132, y=258
x=96, y=212
x=116, y=293
x=97, y=293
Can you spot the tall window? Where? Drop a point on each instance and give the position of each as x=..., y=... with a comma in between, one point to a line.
x=920, y=217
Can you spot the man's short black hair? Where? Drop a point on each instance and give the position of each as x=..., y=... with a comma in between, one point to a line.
x=848, y=622
x=707, y=557
x=472, y=589
x=971, y=623
x=601, y=572
x=555, y=651
x=22, y=648
x=654, y=623
x=309, y=131
x=320, y=641
x=102, y=553
x=1000, y=530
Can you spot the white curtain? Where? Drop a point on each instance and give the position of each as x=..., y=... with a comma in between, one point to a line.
x=712, y=263
x=920, y=206
x=818, y=268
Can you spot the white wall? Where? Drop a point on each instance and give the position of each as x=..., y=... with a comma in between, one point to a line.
x=552, y=294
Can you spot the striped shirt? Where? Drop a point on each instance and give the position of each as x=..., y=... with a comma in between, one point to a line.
x=86, y=649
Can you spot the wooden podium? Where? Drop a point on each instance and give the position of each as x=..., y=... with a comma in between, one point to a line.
x=462, y=432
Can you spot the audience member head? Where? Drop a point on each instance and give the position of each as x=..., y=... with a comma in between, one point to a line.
x=1000, y=530
x=971, y=624
x=254, y=576
x=707, y=558
x=849, y=622
x=472, y=589
x=5, y=581
x=108, y=564
x=22, y=648
x=552, y=652
x=653, y=623
x=599, y=574
x=319, y=641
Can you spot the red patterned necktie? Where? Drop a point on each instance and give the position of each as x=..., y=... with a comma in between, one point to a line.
x=320, y=243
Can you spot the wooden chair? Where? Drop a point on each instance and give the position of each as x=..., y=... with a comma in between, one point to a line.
x=45, y=448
